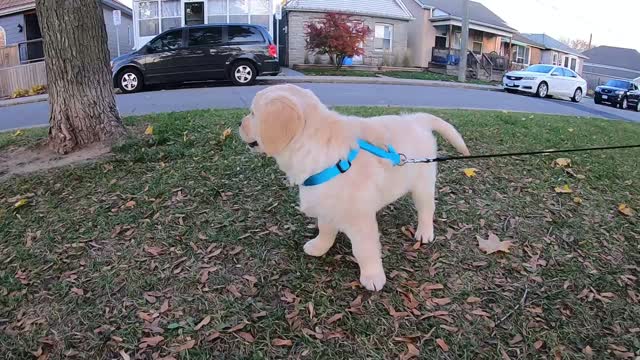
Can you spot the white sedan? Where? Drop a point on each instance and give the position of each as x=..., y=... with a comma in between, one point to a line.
x=546, y=80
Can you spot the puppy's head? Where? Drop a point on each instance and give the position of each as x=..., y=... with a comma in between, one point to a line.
x=276, y=119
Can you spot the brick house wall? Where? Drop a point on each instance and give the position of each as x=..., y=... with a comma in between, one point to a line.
x=296, y=39
x=536, y=56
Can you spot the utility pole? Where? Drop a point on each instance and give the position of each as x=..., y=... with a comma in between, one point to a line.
x=462, y=72
x=590, y=40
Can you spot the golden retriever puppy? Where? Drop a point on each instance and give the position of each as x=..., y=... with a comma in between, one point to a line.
x=291, y=125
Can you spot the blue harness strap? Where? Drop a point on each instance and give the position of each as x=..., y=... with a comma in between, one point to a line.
x=343, y=166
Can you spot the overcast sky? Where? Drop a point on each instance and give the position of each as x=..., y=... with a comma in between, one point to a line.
x=612, y=22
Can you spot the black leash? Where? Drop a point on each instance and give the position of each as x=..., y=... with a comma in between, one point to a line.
x=404, y=160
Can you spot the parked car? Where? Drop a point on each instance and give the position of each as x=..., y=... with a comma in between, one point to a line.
x=620, y=93
x=236, y=52
x=545, y=81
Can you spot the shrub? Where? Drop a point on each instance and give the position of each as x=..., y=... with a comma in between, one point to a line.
x=338, y=36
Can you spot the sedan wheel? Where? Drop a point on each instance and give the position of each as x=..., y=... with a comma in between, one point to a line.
x=543, y=90
x=577, y=95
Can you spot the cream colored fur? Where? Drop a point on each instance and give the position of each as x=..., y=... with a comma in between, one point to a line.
x=314, y=138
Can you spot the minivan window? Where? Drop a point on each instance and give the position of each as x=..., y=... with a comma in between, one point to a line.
x=209, y=36
x=169, y=41
x=244, y=35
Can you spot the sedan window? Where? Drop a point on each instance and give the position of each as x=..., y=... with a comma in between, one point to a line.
x=543, y=69
x=618, y=84
x=569, y=73
x=557, y=72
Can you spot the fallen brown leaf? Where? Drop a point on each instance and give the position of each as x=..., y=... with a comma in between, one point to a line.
x=151, y=299
x=281, y=342
x=588, y=352
x=164, y=307
x=473, y=300
x=153, y=250
x=202, y=323
x=124, y=355
x=481, y=313
x=238, y=327
x=334, y=318
x=493, y=244
x=246, y=336
x=186, y=346
x=516, y=339
x=538, y=344
x=150, y=341
x=412, y=352
x=77, y=291
x=441, y=301
x=442, y=344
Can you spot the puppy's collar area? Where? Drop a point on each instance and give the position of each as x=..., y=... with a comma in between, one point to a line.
x=343, y=165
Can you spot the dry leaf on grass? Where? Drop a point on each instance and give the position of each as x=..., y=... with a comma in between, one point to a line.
x=150, y=341
x=18, y=133
x=150, y=298
x=77, y=291
x=412, y=352
x=443, y=345
x=246, y=336
x=561, y=163
x=281, y=342
x=20, y=203
x=186, y=346
x=577, y=200
x=470, y=172
x=588, y=352
x=153, y=250
x=124, y=355
x=493, y=244
x=130, y=204
x=164, y=307
x=473, y=300
x=225, y=134
x=148, y=130
x=538, y=344
x=202, y=323
x=624, y=209
x=563, y=189
x=334, y=318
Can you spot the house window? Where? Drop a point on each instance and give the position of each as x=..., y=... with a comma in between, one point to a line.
x=218, y=11
x=476, y=45
x=149, y=19
x=574, y=64
x=520, y=54
x=441, y=38
x=457, y=40
x=171, y=13
x=383, y=37
x=555, y=59
x=3, y=37
x=260, y=12
x=129, y=39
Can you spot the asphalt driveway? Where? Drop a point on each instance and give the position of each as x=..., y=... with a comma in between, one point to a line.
x=218, y=96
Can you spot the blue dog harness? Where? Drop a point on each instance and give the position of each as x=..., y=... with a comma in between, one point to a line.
x=343, y=165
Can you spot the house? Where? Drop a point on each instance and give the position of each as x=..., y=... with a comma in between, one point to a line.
x=19, y=27
x=522, y=51
x=435, y=37
x=151, y=17
x=610, y=63
x=557, y=53
x=388, y=19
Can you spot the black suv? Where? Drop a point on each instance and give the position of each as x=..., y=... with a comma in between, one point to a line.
x=236, y=52
x=621, y=93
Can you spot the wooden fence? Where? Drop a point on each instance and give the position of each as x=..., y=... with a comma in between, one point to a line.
x=22, y=77
x=9, y=56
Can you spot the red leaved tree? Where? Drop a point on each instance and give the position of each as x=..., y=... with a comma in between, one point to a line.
x=338, y=36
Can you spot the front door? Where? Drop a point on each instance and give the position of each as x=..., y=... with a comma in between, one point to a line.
x=160, y=61
x=202, y=60
x=194, y=13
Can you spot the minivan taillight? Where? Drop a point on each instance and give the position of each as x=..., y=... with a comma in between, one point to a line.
x=273, y=52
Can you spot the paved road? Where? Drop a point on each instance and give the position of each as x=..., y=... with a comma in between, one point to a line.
x=36, y=114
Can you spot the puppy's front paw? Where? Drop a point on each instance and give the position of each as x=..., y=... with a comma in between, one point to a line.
x=374, y=281
x=316, y=248
x=425, y=234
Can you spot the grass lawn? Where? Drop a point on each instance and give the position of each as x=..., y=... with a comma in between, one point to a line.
x=186, y=245
x=334, y=72
x=427, y=75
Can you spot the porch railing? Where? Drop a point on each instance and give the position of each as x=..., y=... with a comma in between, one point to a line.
x=31, y=51
x=515, y=66
x=444, y=56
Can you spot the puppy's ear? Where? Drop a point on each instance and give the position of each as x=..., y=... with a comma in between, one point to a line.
x=280, y=121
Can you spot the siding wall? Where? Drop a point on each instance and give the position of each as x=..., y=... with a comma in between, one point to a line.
x=421, y=35
x=126, y=39
x=297, y=40
x=10, y=26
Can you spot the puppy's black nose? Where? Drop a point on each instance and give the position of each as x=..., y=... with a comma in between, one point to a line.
x=240, y=124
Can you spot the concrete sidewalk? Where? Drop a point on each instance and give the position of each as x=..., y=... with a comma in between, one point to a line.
x=297, y=79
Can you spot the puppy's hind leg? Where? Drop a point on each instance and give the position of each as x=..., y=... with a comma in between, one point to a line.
x=323, y=242
x=365, y=242
x=423, y=194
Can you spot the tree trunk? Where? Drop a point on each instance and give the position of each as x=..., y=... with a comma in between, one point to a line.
x=81, y=101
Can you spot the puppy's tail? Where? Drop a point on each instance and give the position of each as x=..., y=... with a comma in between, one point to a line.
x=449, y=133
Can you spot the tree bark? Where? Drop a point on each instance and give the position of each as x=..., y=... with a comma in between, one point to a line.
x=81, y=100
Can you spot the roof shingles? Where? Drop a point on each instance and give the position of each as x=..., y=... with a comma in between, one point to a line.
x=477, y=12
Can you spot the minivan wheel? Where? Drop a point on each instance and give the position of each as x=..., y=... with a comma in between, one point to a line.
x=130, y=81
x=243, y=73
x=623, y=104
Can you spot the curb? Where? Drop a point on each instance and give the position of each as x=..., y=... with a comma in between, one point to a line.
x=382, y=80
